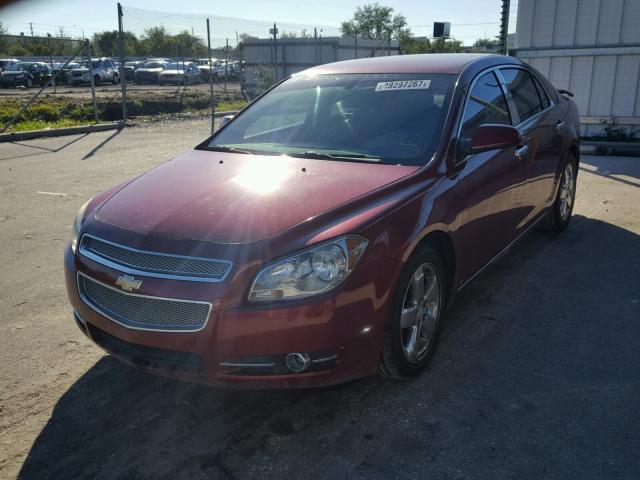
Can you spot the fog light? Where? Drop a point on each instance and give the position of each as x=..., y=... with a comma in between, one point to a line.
x=297, y=362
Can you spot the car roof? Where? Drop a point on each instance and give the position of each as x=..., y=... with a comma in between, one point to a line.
x=451, y=63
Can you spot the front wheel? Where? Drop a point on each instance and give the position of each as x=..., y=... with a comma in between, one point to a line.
x=411, y=334
x=28, y=83
x=116, y=79
x=559, y=215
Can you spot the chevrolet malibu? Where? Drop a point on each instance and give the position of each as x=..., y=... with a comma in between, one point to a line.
x=320, y=234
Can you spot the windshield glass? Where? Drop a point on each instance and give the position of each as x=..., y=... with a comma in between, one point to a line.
x=85, y=64
x=395, y=118
x=175, y=66
x=18, y=67
x=154, y=65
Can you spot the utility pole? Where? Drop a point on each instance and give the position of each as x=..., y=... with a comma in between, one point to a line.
x=31, y=27
x=504, y=27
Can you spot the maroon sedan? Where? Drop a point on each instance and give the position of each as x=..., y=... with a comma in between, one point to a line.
x=320, y=234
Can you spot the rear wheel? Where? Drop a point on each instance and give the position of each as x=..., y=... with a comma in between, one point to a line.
x=116, y=78
x=559, y=215
x=28, y=82
x=411, y=334
x=96, y=80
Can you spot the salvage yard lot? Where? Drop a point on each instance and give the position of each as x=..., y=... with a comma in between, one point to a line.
x=537, y=374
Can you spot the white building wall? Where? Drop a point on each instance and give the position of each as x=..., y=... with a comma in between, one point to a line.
x=590, y=47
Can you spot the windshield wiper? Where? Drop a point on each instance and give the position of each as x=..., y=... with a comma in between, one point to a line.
x=357, y=157
x=226, y=148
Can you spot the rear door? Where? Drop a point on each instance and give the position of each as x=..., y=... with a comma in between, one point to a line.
x=491, y=184
x=541, y=126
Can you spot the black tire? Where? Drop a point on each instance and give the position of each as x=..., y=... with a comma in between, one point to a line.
x=116, y=79
x=96, y=80
x=28, y=83
x=394, y=362
x=554, y=220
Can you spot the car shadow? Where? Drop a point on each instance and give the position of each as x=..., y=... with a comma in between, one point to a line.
x=613, y=167
x=529, y=379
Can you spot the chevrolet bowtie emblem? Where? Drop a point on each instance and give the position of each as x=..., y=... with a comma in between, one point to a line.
x=128, y=283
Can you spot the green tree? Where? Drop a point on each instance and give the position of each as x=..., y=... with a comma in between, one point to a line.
x=3, y=41
x=377, y=22
x=424, y=45
x=486, y=44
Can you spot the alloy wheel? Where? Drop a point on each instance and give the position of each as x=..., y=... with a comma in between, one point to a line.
x=420, y=313
x=567, y=191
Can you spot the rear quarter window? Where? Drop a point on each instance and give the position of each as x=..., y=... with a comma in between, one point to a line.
x=523, y=91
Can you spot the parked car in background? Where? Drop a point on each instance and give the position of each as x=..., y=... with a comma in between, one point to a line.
x=5, y=62
x=26, y=74
x=130, y=69
x=104, y=71
x=205, y=70
x=65, y=73
x=179, y=74
x=320, y=235
x=149, y=71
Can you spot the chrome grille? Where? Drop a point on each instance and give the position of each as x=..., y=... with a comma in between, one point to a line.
x=160, y=264
x=143, y=312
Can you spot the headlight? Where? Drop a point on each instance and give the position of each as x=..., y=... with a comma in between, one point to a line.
x=77, y=225
x=310, y=272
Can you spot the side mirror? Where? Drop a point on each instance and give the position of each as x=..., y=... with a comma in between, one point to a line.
x=226, y=119
x=491, y=137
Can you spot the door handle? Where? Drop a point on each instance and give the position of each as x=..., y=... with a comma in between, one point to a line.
x=522, y=152
x=560, y=126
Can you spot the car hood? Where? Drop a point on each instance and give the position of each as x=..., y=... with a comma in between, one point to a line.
x=81, y=70
x=172, y=72
x=149, y=70
x=13, y=73
x=238, y=198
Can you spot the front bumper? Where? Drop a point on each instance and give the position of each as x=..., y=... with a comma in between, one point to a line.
x=245, y=347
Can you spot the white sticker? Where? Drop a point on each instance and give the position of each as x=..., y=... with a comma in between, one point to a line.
x=403, y=85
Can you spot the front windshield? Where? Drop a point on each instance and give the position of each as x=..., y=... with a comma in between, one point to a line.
x=18, y=67
x=175, y=66
x=393, y=118
x=154, y=65
x=85, y=64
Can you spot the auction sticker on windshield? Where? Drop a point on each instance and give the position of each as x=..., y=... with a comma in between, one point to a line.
x=403, y=85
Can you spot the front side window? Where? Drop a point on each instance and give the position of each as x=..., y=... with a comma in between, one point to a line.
x=524, y=92
x=486, y=104
x=392, y=118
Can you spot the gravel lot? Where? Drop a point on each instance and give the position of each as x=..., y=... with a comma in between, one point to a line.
x=537, y=374
x=109, y=90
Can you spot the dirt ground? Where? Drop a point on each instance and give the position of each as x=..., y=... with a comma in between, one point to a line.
x=537, y=374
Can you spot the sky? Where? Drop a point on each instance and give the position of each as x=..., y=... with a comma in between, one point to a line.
x=470, y=19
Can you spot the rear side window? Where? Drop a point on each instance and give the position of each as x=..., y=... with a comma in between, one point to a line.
x=486, y=104
x=524, y=92
x=543, y=93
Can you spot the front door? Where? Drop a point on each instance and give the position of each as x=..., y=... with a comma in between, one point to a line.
x=492, y=184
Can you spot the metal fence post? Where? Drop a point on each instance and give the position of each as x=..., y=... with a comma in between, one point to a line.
x=123, y=80
x=226, y=65
x=93, y=84
x=213, y=108
x=275, y=52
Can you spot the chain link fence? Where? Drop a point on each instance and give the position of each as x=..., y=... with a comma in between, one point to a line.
x=160, y=63
x=49, y=81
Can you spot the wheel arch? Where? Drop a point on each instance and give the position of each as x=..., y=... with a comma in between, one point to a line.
x=443, y=244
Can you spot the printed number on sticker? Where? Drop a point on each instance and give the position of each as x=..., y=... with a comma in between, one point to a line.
x=403, y=85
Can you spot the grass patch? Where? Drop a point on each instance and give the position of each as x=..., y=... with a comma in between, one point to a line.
x=44, y=124
x=56, y=111
x=231, y=105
